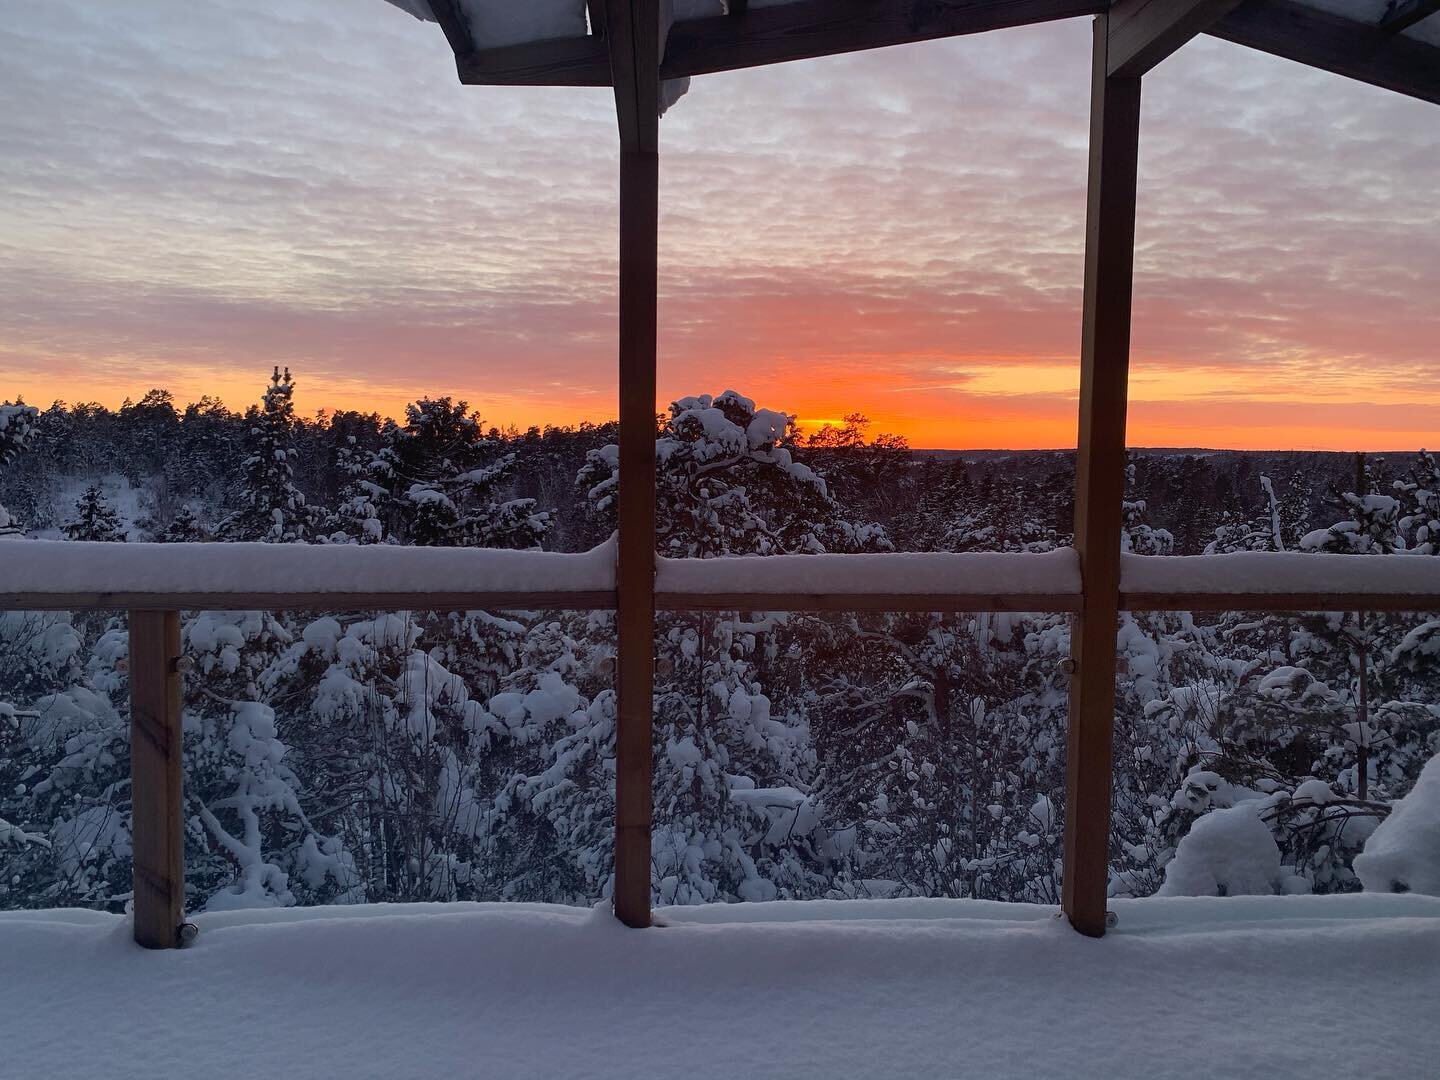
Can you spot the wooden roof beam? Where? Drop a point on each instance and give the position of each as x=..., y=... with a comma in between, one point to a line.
x=751, y=38
x=581, y=61
x=1145, y=32
x=1343, y=46
x=1403, y=14
x=811, y=28
x=453, y=22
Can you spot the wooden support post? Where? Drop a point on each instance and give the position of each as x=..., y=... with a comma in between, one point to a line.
x=1100, y=484
x=633, y=29
x=158, y=839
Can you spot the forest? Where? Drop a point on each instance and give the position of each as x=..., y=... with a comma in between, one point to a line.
x=360, y=756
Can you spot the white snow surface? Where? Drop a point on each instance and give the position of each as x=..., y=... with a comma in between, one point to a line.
x=1403, y=854
x=62, y=566
x=933, y=573
x=822, y=989
x=1227, y=852
x=510, y=22
x=1279, y=572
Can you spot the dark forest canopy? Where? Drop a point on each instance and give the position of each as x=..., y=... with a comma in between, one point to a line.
x=188, y=461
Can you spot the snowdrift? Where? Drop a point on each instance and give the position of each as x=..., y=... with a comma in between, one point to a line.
x=908, y=988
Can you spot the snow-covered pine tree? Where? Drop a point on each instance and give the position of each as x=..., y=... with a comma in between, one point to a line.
x=249, y=840
x=95, y=519
x=734, y=816
x=271, y=507
x=184, y=528
x=17, y=427
x=438, y=481
x=1420, y=499
x=356, y=518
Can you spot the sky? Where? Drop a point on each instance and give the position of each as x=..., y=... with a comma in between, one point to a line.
x=193, y=193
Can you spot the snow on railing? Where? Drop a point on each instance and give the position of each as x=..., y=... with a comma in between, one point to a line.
x=69, y=574
x=1279, y=581
x=972, y=581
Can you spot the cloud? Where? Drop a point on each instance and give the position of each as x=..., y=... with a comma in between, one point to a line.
x=195, y=192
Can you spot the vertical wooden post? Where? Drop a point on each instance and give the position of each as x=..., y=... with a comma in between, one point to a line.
x=157, y=839
x=633, y=34
x=1100, y=484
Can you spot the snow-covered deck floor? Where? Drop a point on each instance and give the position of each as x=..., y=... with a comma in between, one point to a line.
x=1273, y=987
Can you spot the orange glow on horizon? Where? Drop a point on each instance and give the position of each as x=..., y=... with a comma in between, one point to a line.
x=1015, y=403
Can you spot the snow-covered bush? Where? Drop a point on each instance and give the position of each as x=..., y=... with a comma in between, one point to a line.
x=1403, y=854
x=1229, y=852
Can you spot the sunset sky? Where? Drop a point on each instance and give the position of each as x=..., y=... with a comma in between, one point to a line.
x=190, y=193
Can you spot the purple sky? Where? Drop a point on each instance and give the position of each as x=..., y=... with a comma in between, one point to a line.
x=194, y=192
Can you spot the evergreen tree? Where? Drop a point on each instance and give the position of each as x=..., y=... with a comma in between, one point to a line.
x=438, y=481
x=95, y=519
x=272, y=509
x=17, y=427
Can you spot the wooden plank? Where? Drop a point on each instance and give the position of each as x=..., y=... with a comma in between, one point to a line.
x=1404, y=14
x=634, y=50
x=1317, y=38
x=810, y=28
x=1100, y=482
x=1213, y=601
x=749, y=601
x=157, y=830
x=581, y=61
x=1145, y=32
x=634, y=40
x=601, y=600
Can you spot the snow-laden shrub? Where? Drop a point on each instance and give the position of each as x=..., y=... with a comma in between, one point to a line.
x=1403, y=854
x=1229, y=852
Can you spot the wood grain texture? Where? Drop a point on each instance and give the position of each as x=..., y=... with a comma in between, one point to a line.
x=157, y=830
x=1343, y=46
x=1100, y=483
x=634, y=41
x=1145, y=32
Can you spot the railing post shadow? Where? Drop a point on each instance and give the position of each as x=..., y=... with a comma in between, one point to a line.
x=156, y=755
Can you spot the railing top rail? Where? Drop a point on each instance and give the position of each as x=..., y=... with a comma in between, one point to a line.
x=75, y=576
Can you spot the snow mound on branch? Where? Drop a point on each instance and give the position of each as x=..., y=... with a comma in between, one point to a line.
x=1403, y=854
x=1228, y=853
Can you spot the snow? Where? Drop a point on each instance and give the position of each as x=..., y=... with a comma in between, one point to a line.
x=1228, y=852
x=49, y=566
x=936, y=573
x=1279, y=572
x=1403, y=854
x=823, y=989
x=494, y=23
